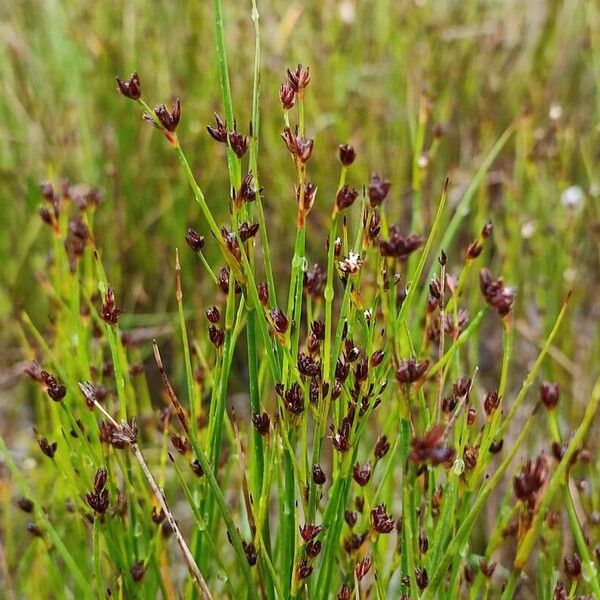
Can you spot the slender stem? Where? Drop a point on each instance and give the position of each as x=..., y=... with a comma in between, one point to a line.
x=217, y=494
x=232, y=162
x=533, y=372
x=463, y=531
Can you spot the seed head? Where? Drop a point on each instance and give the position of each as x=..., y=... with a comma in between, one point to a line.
x=487, y=568
x=219, y=132
x=130, y=88
x=572, y=565
x=421, y=577
x=238, y=143
x=362, y=475
x=350, y=518
x=304, y=569
x=410, y=370
x=382, y=447
x=378, y=190
x=297, y=146
x=197, y=468
x=180, y=444
x=491, y=402
x=157, y=515
x=213, y=315
x=49, y=449
x=223, y=279
x=341, y=438
x=345, y=197
x=25, y=504
x=250, y=551
x=362, y=568
x=307, y=366
x=318, y=475
x=293, y=399
x=381, y=521
x=194, y=240
x=34, y=530
x=56, y=390
x=247, y=192
x=100, y=479
x=549, y=394
x=313, y=548
x=474, y=250
x=247, y=230
x=287, y=95
x=169, y=120
x=496, y=446
x=310, y=531
x=351, y=264
x=261, y=423
x=423, y=542
x=495, y=293
x=299, y=79
x=347, y=154
x=137, y=571
x=314, y=281
x=430, y=448
x=98, y=501
x=110, y=312
x=345, y=593
x=528, y=484
x=216, y=336
x=399, y=245
x=263, y=293
x=280, y=321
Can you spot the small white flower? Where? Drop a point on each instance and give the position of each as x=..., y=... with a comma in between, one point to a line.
x=423, y=160
x=347, y=12
x=527, y=230
x=351, y=264
x=555, y=112
x=572, y=197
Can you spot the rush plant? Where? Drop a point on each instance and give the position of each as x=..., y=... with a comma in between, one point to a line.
x=372, y=438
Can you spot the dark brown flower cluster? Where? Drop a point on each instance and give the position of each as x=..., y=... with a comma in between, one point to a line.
x=399, y=245
x=48, y=448
x=411, y=370
x=430, y=448
x=117, y=436
x=237, y=142
x=299, y=147
x=98, y=497
x=110, y=312
x=294, y=86
x=532, y=479
x=261, y=422
x=314, y=281
x=130, y=88
x=194, y=240
x=381, y=521
x=378, y=190
x=279, y=320
x=496, y=294
x=549, y=394
x=169, y=119
x=56, y=390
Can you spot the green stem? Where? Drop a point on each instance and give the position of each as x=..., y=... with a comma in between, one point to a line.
x=462, y=534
